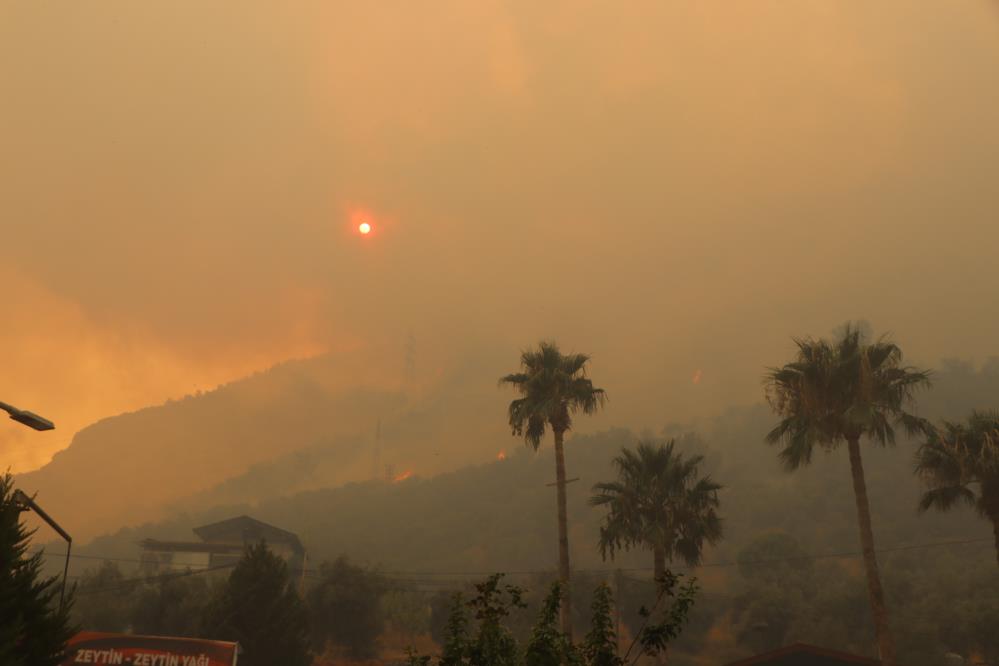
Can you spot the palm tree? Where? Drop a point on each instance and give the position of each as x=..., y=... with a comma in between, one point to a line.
x=840, y=391
x=956, y=459
x=553, y=386
x=658, y=502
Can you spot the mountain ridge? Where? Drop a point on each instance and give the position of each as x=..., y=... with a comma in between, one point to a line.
x=136, y=466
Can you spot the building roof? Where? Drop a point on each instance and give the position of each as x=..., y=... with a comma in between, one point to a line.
x=802, y=654
x=244, y=529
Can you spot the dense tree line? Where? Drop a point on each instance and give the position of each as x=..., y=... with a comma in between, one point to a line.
x=343, y=613
x=257, y=604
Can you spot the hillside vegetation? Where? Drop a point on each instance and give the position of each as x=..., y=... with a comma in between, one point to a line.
x=300, y=425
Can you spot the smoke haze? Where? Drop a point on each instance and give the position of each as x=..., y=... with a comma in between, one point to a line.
x=675, y=189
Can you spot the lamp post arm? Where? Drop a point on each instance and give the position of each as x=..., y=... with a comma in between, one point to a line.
x=27, y=418
x=21, y=497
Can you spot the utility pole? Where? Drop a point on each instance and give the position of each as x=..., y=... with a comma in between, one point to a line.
x=617, y=608
x=301, y=582
x=409, y=373
x=376, y=452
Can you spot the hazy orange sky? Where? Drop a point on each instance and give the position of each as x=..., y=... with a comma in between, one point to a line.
x=676, y=188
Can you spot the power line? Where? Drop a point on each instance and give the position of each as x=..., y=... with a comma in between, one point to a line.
x=428, y=576
x=855, y=553
x=702, y=566
x=77, y=556
x=425, y=578
x=128, y=584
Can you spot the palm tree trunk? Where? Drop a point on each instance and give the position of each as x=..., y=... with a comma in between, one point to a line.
x=886, y=643
x=563, y=535
x=659, y=571
x=990, y=497
x=995, y=535
x=658, y=563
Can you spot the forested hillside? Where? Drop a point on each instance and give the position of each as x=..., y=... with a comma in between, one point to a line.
x=300, y=425
x=497, y=516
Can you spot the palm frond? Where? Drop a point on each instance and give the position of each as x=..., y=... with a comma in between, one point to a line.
x=535, y=431
x=798, y=448
x=552, y=386
x=945, y=497
x=518, y=379
x=838, y=390
x=658, y=500
x=913, y=425
x=883, y=353
x=573, y=364
x=957, y=458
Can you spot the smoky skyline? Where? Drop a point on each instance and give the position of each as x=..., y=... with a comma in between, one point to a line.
x=675, y=189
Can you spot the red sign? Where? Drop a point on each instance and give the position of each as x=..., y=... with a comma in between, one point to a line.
x=91, y=647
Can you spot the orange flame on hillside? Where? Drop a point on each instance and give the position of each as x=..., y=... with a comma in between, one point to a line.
x=697, y=377
x=501, y=455
x=402, y=477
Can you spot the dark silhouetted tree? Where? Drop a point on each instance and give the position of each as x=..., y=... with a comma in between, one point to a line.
x=346, y=609
x=841, y=391
x=960, y=464
x=658, y=502
x=33, y=630
x=258, y=607
x=104, y=599
x=779, y=581
x=172, y=606
x=553, y=386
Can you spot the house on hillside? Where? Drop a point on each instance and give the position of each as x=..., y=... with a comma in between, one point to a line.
x=801, y=654
x=220, y=544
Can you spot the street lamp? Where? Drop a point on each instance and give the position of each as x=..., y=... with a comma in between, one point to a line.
x=24, y=503
x=29, y=419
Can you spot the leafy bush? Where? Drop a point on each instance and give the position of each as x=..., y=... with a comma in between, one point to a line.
x=346, y=608
x=485, y=640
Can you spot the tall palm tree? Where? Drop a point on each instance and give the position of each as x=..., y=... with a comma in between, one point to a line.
x=956, y=459
x=553, y=386
x=841, y=391
x=658, y=502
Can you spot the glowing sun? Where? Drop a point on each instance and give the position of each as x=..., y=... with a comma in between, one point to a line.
x=364, y=228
